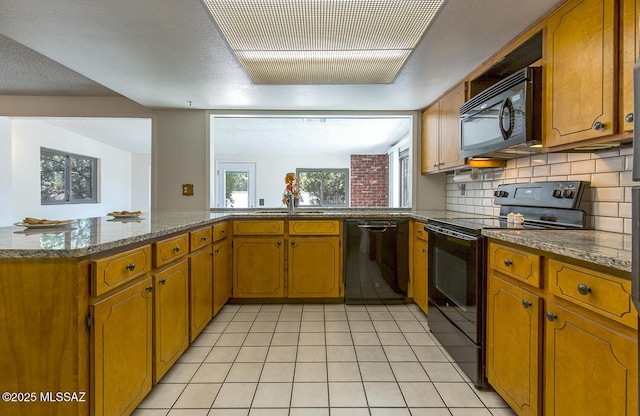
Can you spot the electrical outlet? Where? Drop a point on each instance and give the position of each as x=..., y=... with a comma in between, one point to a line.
x=187, y=189
x=261, y=202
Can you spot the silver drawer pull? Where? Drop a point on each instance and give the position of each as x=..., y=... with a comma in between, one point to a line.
x=176, y=249
x=584, y=289
x=507, y=262
x=130, y=266
x=526, y=304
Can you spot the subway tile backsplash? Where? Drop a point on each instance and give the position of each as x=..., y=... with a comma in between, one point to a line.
x=609, y=173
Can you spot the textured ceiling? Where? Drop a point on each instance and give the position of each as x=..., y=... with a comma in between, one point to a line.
x=170, y=54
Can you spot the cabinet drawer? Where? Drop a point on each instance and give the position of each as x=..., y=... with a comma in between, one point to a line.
x=114, y=271
x=220, y=231
x=199, y=238
x=258, y=227
x=314, y=227
x=170, y=249
x=419, y=232
x=606, y=295
x=515, y=263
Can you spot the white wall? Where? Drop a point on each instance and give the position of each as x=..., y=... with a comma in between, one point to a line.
x=27, y=138
x=271, y=170
x=141, y=181
x=5, y=171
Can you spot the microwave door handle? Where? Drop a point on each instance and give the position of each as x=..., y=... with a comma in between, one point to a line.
x=506, y=106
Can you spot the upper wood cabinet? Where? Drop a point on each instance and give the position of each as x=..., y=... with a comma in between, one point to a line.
x=630, y=51
x=580, y=73
x=441, y=133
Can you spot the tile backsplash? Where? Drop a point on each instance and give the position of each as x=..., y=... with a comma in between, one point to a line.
x=608, y=171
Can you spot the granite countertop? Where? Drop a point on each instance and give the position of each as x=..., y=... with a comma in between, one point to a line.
x=599, y=247
x=89, y=236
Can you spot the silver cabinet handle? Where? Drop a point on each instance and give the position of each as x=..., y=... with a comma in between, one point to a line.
x=597, y=125
x=131, y=266
x=584, y=289
x=507, y=262
x=629, y=118
x=526, y=304
x=551, y=316
x=176, y=249
x=149, y=288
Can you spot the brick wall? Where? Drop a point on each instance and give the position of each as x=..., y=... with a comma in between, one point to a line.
x=609, y=173
x=369, y=181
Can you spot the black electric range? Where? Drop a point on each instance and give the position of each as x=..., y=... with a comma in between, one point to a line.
x=457, y=261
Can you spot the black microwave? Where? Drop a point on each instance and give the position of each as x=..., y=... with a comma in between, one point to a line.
x=505, y=120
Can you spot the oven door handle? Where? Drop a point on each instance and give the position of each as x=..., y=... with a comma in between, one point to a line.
x=450, y=233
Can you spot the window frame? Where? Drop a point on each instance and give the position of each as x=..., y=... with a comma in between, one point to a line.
x=344, y=171
x=69, y=156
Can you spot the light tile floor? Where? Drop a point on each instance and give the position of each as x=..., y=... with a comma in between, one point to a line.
x=318, y=360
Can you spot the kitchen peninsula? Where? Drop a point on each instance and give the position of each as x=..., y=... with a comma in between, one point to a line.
x=55, y=311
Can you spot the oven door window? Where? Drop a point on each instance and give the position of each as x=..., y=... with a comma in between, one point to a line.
x=453, y=280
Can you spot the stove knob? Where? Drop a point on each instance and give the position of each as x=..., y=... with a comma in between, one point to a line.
x=496, y=193
x=557, y=193
x=504, y=194
x=568, y=193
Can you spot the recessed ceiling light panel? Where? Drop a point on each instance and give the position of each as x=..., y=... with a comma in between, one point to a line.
x=322, y=41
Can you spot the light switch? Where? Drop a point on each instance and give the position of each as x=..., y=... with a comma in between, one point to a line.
x=187, y=189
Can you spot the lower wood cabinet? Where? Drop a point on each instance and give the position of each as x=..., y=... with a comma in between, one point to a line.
x=314, y=267
x=121, y=350
x=200, y=291
x=590, y=368
x=258, y=267
x=420, y=270
x=567, y=347
x=221, y=275
x=513, y=344
x=171, y=316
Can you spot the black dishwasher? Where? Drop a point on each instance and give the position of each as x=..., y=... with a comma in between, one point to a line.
x=376, y=266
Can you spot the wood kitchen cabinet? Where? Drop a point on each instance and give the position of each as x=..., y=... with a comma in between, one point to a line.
x=221, y=270
x=440, y=147
x=561, y=338
x=580, y=73
x=258, y=259
x=121, y=353
x=590, y=369
x=314, y=254
x=630, y=53
x=200, y=281
x=420, y=266
x=514, y=334
x=171, y=315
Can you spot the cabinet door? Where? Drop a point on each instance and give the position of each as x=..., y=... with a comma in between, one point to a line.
x=589, y=368
x=630, y=54
x=314, y=267
x=221, y=276
x=121, y=350
x=513, y=345
x=258, y=267
x=420, y=256
x=450, y=128
x=200, y=291
x=171, y=337
x=430, y=138
x=580, y=72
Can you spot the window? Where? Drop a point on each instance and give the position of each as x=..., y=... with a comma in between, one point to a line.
x=405, y=195
x=237, y=184
x=324, y=187
x=66, y=178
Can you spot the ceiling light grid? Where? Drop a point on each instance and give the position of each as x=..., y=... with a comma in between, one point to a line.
x=332, y=41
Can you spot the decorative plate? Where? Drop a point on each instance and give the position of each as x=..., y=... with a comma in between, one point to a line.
x=117, y=214
x=57, y=224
